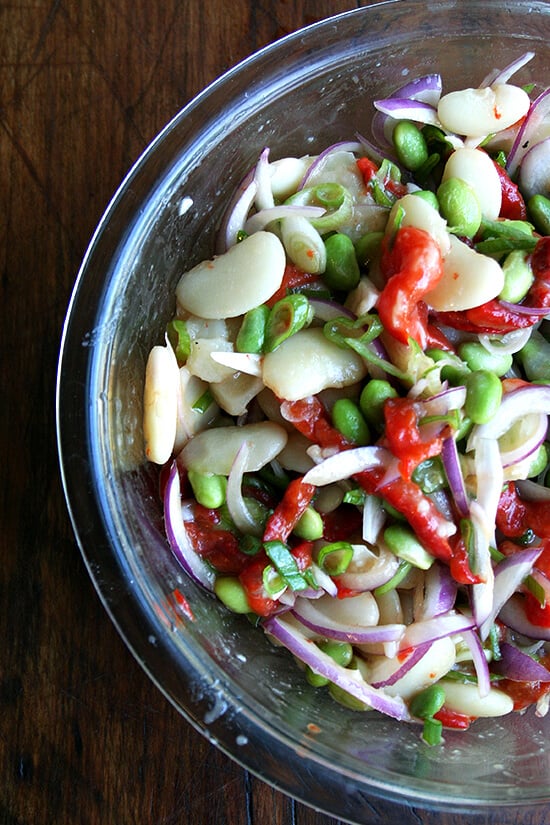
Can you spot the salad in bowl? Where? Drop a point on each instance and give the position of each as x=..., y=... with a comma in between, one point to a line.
x=350, y=406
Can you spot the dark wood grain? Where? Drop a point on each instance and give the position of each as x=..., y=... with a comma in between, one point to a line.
x=85, y=737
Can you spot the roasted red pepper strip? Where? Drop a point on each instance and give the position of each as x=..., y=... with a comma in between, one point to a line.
x=412, y=264
x=311, y=419
x=513, y=206
x=453, y=719
x=515, y=515
x=293, y=277
x=295, y=501
x=404, y=437
x=252, y=579
x=493, y=318
x=369, y=170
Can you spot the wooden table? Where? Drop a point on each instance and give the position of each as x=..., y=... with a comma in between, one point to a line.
x=85, y=736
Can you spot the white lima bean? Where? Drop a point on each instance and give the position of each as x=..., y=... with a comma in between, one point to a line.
x=214, y=451
x=469, y=279
x=191, y=421
x=240, y=279
x=419, y=213
x=465, y=698
x=307, y=363
x=160, y=403
x=357, y=611
x=479, y=112
x=478, y=170
x=435, y=663
x=235, y=393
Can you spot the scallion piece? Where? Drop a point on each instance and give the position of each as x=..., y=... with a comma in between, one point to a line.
x=334, y=558
x=203, y=402
x=287, y=316
x=285, y=565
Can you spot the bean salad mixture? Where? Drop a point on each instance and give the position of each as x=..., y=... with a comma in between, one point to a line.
x=350, y=407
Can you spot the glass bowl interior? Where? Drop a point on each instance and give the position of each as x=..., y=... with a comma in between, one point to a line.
x=297, y=96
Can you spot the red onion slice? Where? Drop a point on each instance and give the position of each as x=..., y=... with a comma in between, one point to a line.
x=440, y=591
x=513, y=616
x=399, y=108
x=327, y=310
x=518, y=666
x=236, y=213
x=312, y=617
x=236, y=504
x=534, y=398
x=509, y=574
x=479, y=660
x=407, y=663
x=504, y=75
x=318, y=163
x=262, y=177
x=531, y=443
x=530, y=132
x=524, y=309
x=428, y=630
x=178, y=537
x=426, y=89
x=349, y=680
x=534, y=173
x=345, y=464
x=453, y=471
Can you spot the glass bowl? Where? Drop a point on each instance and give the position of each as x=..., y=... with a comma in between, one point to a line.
x=300, y=94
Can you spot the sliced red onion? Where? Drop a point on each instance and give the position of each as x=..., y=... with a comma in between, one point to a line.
x=543, y=582
x=480, y=661
x=518, y=666
x=178, y=537
x=453, y=471
x=531, y=443
x=504, y=75
x=325, y=582
x=530, y=132
x=534, y=398
x=349, y=680
x=346, y=464
x=445, y=401
x=405, y=108
x=426, y=89
x=524, y=309
x=512, y=614
x=407, y=663
x=262, y=177
x=534, y=173
x=263, y=218
x=374, y=517
x=429, y=630
x=440, y=591
x=236, y=504
x=236, y=213
x=509, y=575
x=247, y=362
x=327, y=310
x=318, y=163
x=312, y=617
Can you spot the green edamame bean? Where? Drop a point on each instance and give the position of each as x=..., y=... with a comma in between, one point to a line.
x=251, y=335
x=428, y=196
x=534, y=357
x=518, y=276
x=346, y=699
x=410, y=145
x=372, y=399
x=232, y=594
x=459, y=206
x=368, y=247
x=342, y=270
x=483, y=396
x=209, y=489
x=349, y=420
x=454, y=370
x=430, y=475
x=539, y=462
x=309, y=526
x=538, y=207
x=427, y=703
x=401, y=540
x=339, y=652
x=477, y=357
